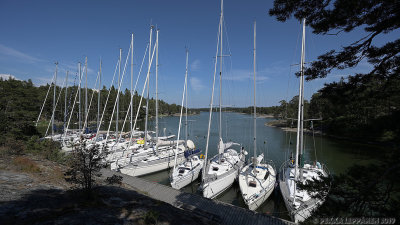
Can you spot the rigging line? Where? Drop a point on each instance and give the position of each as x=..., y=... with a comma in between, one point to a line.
x=180, y=122
x=108, y=95
x=130, y=107
x=211, y=102
x=48, y=90
x=229, y=83
x=288, y=87
x=90, y=103
x=141, y=97
x=71, y=94
x=118, y=93
x=315, y=147
x=73, y=106
x=140, y=71
x=54, y=109
x=69, y=100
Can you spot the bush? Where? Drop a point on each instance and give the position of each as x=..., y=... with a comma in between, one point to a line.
x=11, y=146
x=49, y=149
x=114, y=179
x=26, y=164
x=85, y=164
x=151, y=217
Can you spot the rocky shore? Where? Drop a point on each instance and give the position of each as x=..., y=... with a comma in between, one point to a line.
x=282, y=124
x=38, y=194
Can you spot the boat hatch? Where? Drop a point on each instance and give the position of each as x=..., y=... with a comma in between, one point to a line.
x=253, y=183
x=215, y=168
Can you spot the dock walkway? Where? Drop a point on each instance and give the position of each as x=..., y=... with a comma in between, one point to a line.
x=220, y=212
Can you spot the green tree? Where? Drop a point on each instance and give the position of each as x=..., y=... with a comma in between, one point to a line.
x=376, y=18
x=366, y=105
x=85, y=165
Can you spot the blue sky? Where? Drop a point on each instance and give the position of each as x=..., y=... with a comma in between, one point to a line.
x=35, y=34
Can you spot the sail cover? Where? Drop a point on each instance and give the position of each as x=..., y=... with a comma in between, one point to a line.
x=222, y=146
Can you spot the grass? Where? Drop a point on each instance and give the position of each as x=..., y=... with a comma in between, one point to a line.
x=25, y=164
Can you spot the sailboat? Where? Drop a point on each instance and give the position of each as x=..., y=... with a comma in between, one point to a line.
x=222, y=170
x=300, y=203
x=161, y=154
x=188, y=171
x=256, y=180
x=135, y=148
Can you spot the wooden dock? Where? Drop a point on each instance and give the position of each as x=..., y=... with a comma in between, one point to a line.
x=220, y=212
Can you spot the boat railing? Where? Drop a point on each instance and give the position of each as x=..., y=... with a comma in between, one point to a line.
x=287, y=163
x=323, y=167
x=326, y=169
x=169, y=158
x=271, y=163
x=190, y=173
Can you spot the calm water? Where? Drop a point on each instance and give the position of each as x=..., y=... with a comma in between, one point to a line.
x=273, y=142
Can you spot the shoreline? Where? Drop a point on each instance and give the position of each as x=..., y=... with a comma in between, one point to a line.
x=281, y=125
x=24, y=191
x=263, y=116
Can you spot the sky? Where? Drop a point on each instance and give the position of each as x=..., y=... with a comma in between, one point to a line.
x=36, y=34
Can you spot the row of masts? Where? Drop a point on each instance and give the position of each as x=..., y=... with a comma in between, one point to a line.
x=80, y=73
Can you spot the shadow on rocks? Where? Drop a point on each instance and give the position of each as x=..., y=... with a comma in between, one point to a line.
x=107, y=205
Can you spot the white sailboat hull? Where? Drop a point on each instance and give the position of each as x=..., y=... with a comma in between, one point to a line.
x=300, y=215
x=214, y=188
x=255, y=196
x=260, y=200
x=139, y=170
x=304, y=209
x=184, y=181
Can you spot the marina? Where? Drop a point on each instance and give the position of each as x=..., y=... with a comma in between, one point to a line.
x=196, y=108
x=337, y=154
x=215, y=210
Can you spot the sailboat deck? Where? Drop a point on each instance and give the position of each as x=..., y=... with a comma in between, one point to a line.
x=303, y=200
x=230, y=163
x=220, y=212
x=252, y=185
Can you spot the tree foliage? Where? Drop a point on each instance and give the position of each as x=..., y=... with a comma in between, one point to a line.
x=17, y=109
x=86, y=161
x=366, y=105
x=375, y=17
x=21, y=102
x=363, y=107
x=362, y=191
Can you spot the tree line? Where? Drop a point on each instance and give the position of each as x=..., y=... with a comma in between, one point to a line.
x=21, y=102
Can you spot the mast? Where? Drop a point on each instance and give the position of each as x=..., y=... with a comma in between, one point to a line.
x=147, y=100
x=211, y=105
x=65, y=101
x=132, y=83
x=86, y=99
x=255, y=108
x=303, y=53
x=220, y=79
x=98, y=98
x=180, y=120
x=54, y=102
x=119, y=84
x=79, y=90
x=299, y=141
x=186, y=105
x=157, y=90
